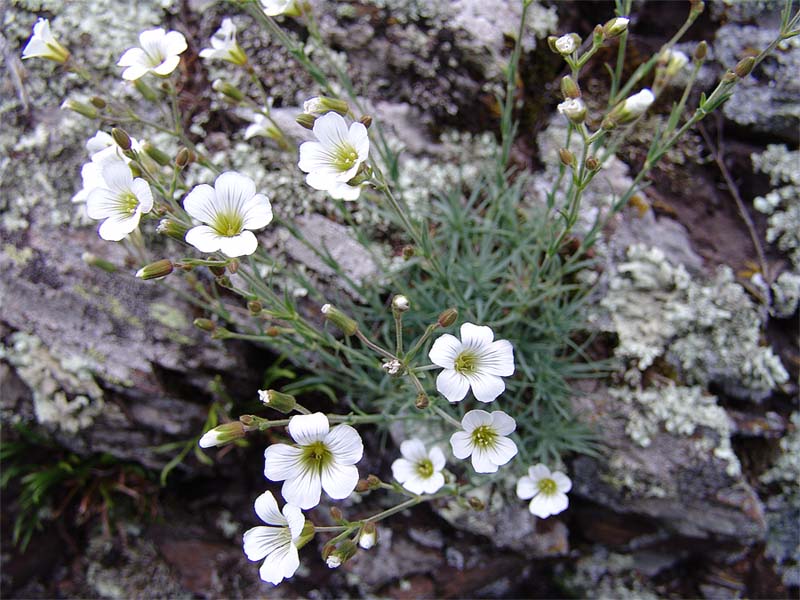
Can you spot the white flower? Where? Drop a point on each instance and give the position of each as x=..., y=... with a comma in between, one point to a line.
x=274, y=8
x=368, y=536
x=262, y=126
x=638, y=103
x=335, y=158
x=321, y=458
x=334, y=561
x=102, y=149
x=548, y=490
x=574, y=109
x=675, y=61
x=43, y=45
x=158, y=53
x=484, y=439
x=221, y=434
x=567, y=44
x=419, y=471
x=231, y=209
x=120, y=200
x=476, y=361
x=277, y=544
x=224, y=45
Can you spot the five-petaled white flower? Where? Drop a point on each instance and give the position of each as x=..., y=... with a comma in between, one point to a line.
x=335, y=158
x=43, y=45
x=274, y=8
x=276, y=544
x=321, y=458
x=548, y=490
x=231, y=209
x=419, y=471
x=475, y=361
x=121, y=200
x=102, y=149
x=484, y=439
x=224, y=45
x=158, y=53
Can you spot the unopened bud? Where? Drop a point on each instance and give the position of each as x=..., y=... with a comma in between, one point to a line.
x=392, y=367
x=673, y=61
x=597, y=35
x=366, y=121
x=697, y=7
x=233, y=266
x=592, y=163
x=476, y=503
x=744, y=67
x=629, y=109
x=729, y=77
x=227, y=89
x=183, y=158
x=422, y=401
x=172, y=229
x=373, y=482
x=273, y=331
x=222, y=434
x=321, y=105
x=447, y=317
x=574, y=109
x=368, y=536
x=255, y=307
x=344, y=552
x=121, y=138
x=217, y=270
x=98, y=102
x=336, y=513
x=87, y=110
x=551, y=42
x=567, y=158
x=156, y=270
x=567, y=44
x=400, y=303
x=145, y=90
x=306, y=120
x=347, y=325
x=205, y=324
x=101, y=263
x=615, y=27
x=701, y=51
x=283, y=403
x=162, y=158
x=408, y=252
x=362, y=486
x=569, y=88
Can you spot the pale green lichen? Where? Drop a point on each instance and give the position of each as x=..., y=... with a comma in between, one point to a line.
x=607, y=575
x=65, y=395
x=785, y=294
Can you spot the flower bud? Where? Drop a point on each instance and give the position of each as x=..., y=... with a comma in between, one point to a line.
x=551, y=42
x=567, y=44
x=592, y=163
x=422, y=402
x=347, y=325
x=172, y=229
x=321, y=105
x=255, y=307
x=217, y=270
x=283, y=403
x=569, y=88
x=336, y=513
x=696, y=8
x=227, y=89
x=400, y=303
x=98, y=102
x=222, y=434
x=368, y=536
x=567, y=158
x=629, y=109
x=305, y=120
x=392, y=367
x=162, y=158
x=121, y=138
x=343, y=552
x=744, y=67
x=701, y=51
x=362, y=486
x=156, y=270
x=373, y=482
x=675, y=61
x=273, y=331
x=408, y=252
x=366, y=121
x=145, y=90
x=615, y=27
x=574, y=109
x=183, y=158
x=729, y=77
x=597, y=35
x=205, y=324
x=95, y=261
x=476, y=503
x=86, y=110
x=447, y=317
x=233, y=266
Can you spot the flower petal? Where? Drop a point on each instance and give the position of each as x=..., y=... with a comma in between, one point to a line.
x=540, y=506
x=306, y=429
x=304, y=489
x=444, y=351
x=345, y=444
x=539, y=472
x=482, y=461
x=143, y=193
x=331, y=130
x=174, y=43
x=416, y=484
x=403, y=470
x=233, y=191
x=168, y=66
x=502, y=423
x=257, y=212
x=558, y=503
x=272, y=570
x=132, y=57
x=461, y=443
x=201, y=203
x=498, y=359
x=102, y=203
x=413, y=450
x=502, y=451
x=267, y=510
x=289, y=562
x=476, y=336
x=359, y=138
x=486, y=388
x=437, y=458
x=476, y=418
x=281, y=461
x=526, y=488
x=242, y=244
x=432, y=484
x=115, y=228
x=204, y=238
x=294, y=516
x=117, y=176
x=563, y=482
x=339, y=480
x=452, y=385
x=260, y=541
x=344, y=191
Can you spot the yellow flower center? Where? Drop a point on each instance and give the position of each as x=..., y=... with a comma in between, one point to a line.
x=484, y=436
x=344, y=157
x=425, y=468
x=316, y=456
x=466, y=363
x=547, y=486
x=228, y=224
x=128, y=203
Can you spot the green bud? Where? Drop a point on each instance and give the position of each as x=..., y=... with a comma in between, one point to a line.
x=228, y=90
x=205, y=324
x=283, y=403
x=172, y=229
x=697, y=7
x=255, y=307
x=156, y=270
x=592, y=163
x=422, y=402
x=145, y=90
x=615, y=27
x=101, y=263
x=86, y=110
x=744, y=67
x=222, y=434
x=567, y=158
x=729, y=77
x=447, y=317
x=476, y=503
x=347, y=325
x=305, y=120
x=121, y=138
x=98, y=102
x=183, y=158
x=157, y=155
x=321, y=105
x=366, y=121
x=551, y=42
x=373, y=482
x=408, y=252
x=597, y=35
x=569, y=88
x=701, y=51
